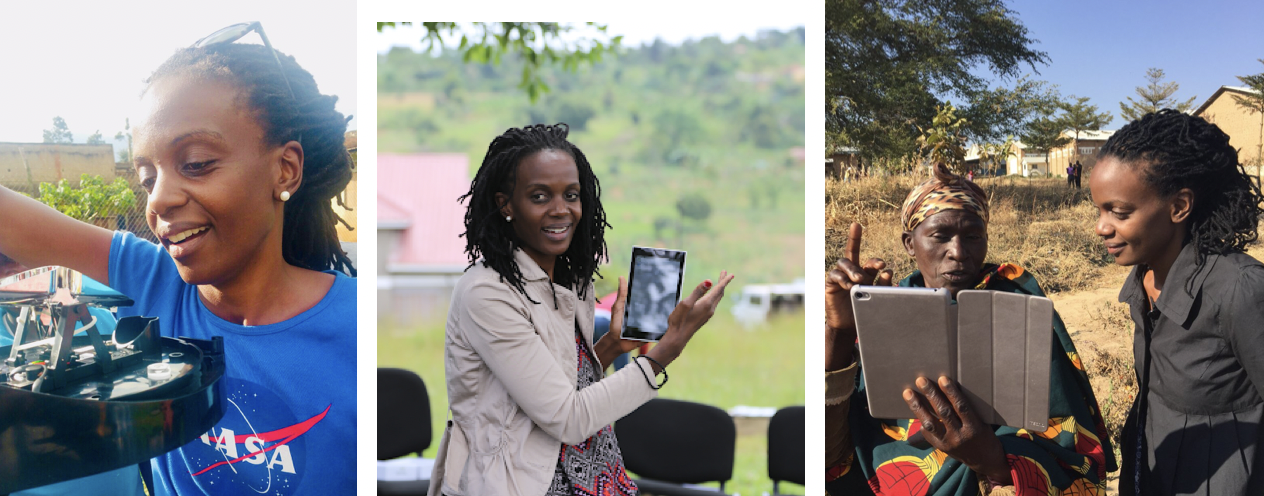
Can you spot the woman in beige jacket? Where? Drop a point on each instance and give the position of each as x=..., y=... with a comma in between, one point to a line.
x=531, y=411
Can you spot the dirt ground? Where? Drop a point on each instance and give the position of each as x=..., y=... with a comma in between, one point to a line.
x=1095, y=320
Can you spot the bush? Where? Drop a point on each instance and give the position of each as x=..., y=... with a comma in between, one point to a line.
x=93, y=200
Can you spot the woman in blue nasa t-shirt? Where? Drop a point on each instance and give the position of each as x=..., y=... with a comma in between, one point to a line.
x=241, y=157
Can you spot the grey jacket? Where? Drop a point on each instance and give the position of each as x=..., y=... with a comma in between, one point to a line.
x=511, y=376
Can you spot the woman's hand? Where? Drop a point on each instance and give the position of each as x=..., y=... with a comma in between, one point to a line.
x=689, y=316
x=611, y=345
x=840, y=319
x=949, y=424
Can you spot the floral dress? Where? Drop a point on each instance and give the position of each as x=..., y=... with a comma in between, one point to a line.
x=595, y=466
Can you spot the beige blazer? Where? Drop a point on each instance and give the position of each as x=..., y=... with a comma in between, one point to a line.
x=511, y=375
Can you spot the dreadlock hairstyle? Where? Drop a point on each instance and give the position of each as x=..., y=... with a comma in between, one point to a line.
x=309, y=238
x=1175, y=151
x=489, y=237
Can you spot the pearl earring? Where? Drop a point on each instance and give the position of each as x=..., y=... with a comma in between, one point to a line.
x=508, y=218
x=285, y=196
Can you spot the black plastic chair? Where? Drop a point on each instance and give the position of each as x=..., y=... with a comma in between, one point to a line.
x=673, y=442
x=786, y=445
x=403, y=424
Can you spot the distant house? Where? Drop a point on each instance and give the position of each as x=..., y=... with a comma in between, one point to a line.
x=840, y=159
x=1089, y=144
x=1023, y=162
x=419, y=223
x=1060, y=158
x=1029, y=162
x=24, y=164
x=1013, y=164
x=1242, y=126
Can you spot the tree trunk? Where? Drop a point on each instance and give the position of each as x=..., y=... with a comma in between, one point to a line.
x=1259, y=153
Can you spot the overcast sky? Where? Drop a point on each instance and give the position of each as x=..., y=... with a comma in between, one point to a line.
x=87, y=66
x=672, y=29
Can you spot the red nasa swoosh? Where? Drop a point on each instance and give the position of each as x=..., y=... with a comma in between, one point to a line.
x=285, y=434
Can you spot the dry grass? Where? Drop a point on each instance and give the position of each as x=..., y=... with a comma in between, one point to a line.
x=1038, y=224
x=1110, y=365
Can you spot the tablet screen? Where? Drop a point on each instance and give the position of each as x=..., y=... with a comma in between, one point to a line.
x=653, y=292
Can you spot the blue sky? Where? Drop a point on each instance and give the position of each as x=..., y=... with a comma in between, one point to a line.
x=1101, y=49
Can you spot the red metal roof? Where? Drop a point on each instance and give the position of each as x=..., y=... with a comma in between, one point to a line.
x=421, y=190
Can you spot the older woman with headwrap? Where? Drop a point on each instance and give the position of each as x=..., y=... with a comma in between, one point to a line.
x=946, y=450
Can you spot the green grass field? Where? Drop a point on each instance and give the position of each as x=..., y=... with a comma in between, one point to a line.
x=724, y=366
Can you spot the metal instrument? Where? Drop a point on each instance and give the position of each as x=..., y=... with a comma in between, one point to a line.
x=75, y=403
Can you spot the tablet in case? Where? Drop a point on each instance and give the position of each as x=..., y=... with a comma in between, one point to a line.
x=996, y=345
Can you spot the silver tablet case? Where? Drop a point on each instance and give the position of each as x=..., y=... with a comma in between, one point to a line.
x=903, y=333
x=996, y=345
x=1004, y=354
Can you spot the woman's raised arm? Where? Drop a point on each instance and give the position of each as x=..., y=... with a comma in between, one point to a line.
x=35, y=235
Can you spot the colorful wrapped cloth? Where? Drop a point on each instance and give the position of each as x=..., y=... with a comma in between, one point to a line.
x=946, y=191
x=1071, y=457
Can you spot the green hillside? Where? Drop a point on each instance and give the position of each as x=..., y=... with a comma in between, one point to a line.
x=704, y=120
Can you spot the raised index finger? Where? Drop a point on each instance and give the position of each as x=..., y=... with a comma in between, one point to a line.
x=853, y=242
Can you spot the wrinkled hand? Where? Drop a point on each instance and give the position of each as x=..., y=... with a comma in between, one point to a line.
x=840, y=319
x=950, y=425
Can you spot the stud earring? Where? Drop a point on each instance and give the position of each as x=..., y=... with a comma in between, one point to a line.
x=285, y=196
x=508, y=218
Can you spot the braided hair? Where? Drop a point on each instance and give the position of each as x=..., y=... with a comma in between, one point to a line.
x=1176, y=151
x=489, y=237
x=309, y=238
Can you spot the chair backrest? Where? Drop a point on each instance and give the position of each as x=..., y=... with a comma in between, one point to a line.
x=678, y=441
x=786, y=444
x=403, y=414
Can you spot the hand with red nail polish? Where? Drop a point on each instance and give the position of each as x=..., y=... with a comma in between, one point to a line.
x=689, y=316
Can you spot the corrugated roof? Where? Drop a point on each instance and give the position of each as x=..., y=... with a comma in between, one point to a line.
x=420, y=191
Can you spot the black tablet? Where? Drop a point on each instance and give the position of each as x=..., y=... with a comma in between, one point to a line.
x=653, y=292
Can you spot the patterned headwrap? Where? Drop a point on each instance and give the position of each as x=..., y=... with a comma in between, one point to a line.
x=945, y=191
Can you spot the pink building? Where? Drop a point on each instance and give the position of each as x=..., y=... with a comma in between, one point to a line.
x=419, y=223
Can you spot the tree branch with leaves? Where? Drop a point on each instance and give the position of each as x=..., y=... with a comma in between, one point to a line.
x=891, y=64
x=1080, y=116
x=1254, y=103
x=537, y=43
x=60, y=133
x=943, y=142
x=1153, y=97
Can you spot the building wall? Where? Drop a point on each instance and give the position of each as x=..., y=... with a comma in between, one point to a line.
x=1061, y=158
x=841, y=162
x=388, y=240
x=51, y=163
x=1242, y=127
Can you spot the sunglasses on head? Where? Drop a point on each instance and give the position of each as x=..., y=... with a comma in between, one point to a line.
x=236, y=32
